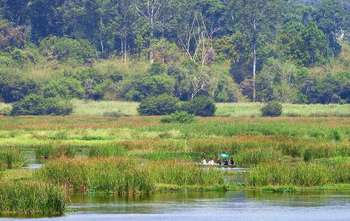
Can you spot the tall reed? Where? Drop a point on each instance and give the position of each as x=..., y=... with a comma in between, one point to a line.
x=11, y=157
x=183, y=173
x=27, y=198
x=111, y=175
x=301, y=174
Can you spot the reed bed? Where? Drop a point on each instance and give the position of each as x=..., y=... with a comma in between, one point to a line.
x=11, y=158
x=50, y=151
x=183, y=173
x=113, y=175
x=28, y=198
x=107, y=151
x=300, y=174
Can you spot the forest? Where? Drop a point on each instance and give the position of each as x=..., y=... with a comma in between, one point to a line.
x=290, y=51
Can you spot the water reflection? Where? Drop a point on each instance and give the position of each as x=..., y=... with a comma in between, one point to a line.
x=232, y=206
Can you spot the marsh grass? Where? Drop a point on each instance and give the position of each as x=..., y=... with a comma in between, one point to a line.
x=45, y=152
x=300, y=174
x=111, y=150
x=183, y=173
x=11, y=158
x=111, y=175
x=28, y=198
x=253, y=157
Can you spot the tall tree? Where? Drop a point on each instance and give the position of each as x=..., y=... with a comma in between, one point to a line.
x=257, y=21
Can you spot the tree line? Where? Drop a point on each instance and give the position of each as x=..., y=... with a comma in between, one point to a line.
x=269, y=46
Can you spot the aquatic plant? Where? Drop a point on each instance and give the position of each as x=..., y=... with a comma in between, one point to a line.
x=11, y=157
x=111, y=175
x=28, y=198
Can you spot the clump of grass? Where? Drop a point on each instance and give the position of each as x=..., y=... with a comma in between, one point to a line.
x=302, y=174
x=114, y=175
x=11, y=157
x=45, y=152
x=183, y=173
x=27, y=198
x=106, y=151
x=165, y=155
x=251, y=157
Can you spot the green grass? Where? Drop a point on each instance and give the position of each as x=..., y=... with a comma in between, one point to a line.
x=11, y=157
x=104, y=107
x=120, y=108
x=251, y=109
x=27, y=198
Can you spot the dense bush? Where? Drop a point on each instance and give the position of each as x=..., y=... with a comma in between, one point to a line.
x=139, y=88
x=39, y=105
x=13, y=86
x=272, y=109
x=64, y=87
x=67, y=49
x=178, y=117
x=200, y=106
x=159, y=105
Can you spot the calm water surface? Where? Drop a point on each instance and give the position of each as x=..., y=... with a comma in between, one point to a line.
x=233, y=206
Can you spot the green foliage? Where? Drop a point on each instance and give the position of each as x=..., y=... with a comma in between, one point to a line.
x=39, y=105
x=67, y=49
x=64, y=87
x=14, y=87
x=27, y=198
x=305, y=44
x=272, y=109
x=200, y=106
x=139, y=88
x=178, y=117
x=159, y=105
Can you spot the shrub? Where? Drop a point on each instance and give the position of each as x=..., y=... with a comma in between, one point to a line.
x=67, y=49
x=14, y=87
x=160, y=105
x=65, y=88
x=272, y=109
x=31, y=199
x=178, y=117
x=5, y=109
x=200, y=106
x=138, y=88
x=38, y=105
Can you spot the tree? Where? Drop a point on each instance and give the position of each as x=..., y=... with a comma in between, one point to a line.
x=45, y=18
x=256, y=20
x=307, y=45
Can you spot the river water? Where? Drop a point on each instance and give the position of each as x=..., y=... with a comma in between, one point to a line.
x=232, y=206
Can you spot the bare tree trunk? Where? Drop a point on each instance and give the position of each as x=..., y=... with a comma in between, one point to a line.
x=254, y=72
x=101, y=38
x=254, y=61
x=125, y=50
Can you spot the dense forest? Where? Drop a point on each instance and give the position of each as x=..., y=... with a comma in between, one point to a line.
x=229, y=50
